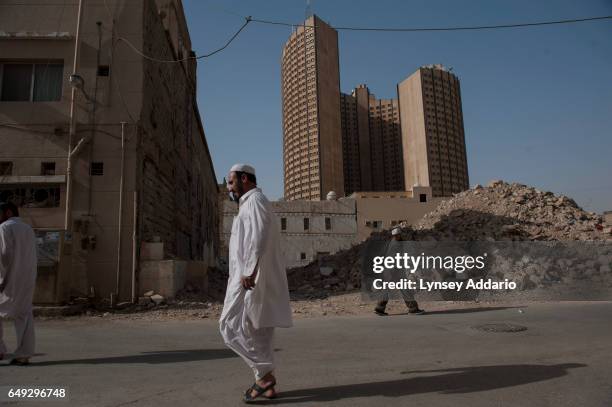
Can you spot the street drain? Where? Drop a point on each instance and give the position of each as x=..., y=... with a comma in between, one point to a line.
x=500, y=328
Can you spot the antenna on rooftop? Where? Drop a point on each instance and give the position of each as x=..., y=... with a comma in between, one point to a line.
x=308, y=9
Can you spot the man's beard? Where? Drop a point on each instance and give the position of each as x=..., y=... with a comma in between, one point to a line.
x=240, y=187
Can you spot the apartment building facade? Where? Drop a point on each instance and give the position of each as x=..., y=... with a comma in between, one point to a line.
x=371, y=142
x=345, y=143
x=433, y=136
x=141, y=169
x=312, y=141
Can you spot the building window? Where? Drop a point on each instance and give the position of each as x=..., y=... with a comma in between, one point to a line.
x=302, y=256
x=6, y=167
x=23, y=82
x=327, y=223
x=47, y=168
x=28, y=196
x=103, y=70
x=422, y=197
x=97, y=168
x=306, y=223
x=283, y=223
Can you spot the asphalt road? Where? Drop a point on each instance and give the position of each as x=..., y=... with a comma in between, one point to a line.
x=564, y=358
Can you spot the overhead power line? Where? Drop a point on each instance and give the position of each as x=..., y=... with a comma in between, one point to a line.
x=247, y=20
x=465, y=28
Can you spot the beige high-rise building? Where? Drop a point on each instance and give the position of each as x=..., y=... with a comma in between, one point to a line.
x=371, y=141
x=433, y=139
x=312, y=140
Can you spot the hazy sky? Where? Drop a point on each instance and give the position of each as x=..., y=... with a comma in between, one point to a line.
x=537, y=102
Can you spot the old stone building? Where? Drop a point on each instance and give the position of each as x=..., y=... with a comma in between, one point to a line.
x=385, y=209
x=308, y=228
x=142, y=173
x=311, y=229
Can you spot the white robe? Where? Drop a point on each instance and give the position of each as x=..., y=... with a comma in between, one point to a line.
x=248, y=317
x=17, y=281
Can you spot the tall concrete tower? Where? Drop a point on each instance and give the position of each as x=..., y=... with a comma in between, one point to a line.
x=312, y=139
x=433, y=138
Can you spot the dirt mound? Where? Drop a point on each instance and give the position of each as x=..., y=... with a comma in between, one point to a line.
x=498, y=212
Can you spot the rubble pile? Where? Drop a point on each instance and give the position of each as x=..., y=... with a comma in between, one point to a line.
x=149, y=300
x=498, y=212
x=503, y=211
x=334, y=273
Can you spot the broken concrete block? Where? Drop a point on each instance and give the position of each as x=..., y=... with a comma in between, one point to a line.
x=144, y=300
x=326, y=271
x=149, y=293
x=157, y=299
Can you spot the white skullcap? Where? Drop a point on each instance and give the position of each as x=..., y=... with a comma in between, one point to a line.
x=243, y=168
x=395, y=231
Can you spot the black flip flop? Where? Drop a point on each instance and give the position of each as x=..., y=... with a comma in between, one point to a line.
x=248, y=398
x=17, y=362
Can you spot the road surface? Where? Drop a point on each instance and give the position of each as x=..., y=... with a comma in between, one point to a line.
x=563, y=358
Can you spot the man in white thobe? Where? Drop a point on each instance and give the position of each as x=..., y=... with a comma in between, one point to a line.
x=17, y=280
x=257, y=297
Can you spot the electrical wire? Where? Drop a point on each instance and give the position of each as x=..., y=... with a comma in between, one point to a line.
x=249, y=19
x=465, y=28
x=142, y=54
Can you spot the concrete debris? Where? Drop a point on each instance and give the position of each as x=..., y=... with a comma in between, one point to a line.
x=148, y=294
x=326, y=271
x=144, y=301
x=498, y=212
x=123, y=305
x=503, y=211
x=158, y=299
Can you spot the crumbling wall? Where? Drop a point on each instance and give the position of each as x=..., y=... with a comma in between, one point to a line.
x=178, y=186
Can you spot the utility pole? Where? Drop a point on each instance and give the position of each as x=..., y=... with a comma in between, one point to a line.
x=65, y=263
x=120, y=219
x=72, y=128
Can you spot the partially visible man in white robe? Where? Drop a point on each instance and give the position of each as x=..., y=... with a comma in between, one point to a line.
x=257, y=297
x=17, y=280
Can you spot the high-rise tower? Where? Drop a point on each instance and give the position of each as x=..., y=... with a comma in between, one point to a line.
x=433, y=139
x=312, y=140
x=371, y=140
